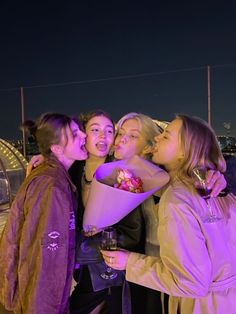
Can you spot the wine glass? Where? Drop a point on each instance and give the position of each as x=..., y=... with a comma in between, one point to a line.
x=199, y=177
x=109, y=243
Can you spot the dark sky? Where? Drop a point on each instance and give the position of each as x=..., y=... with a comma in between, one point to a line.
x=120, y=56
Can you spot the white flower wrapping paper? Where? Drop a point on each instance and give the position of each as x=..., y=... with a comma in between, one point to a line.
x=107, y=205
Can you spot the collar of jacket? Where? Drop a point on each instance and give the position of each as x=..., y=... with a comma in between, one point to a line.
x=54, y=163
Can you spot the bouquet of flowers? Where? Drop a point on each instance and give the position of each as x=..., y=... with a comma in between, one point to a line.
x=128, y=182
x=115, y=191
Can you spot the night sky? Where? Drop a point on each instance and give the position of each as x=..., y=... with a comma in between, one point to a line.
x=120, y=56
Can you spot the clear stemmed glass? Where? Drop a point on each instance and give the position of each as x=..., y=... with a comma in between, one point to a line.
x=199, y=177
x=109, y=243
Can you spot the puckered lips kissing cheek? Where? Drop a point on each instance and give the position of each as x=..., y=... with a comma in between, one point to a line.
x=154, y=154
x=154, y=150
x=117, y=148
x=118, y=151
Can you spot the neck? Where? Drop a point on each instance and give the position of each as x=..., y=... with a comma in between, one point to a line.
x=91, y=164
x=172, y=171
x=65, y=162
x=172, y=175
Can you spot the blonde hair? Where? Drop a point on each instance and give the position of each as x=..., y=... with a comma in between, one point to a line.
x=200, y=147
x=149, y=129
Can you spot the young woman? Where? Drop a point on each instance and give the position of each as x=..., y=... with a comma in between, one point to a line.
x=100, y=131
x=197, y=263
x=37, y=246
x=135, y=136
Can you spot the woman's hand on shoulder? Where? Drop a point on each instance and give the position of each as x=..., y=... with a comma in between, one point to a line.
x=34, y=162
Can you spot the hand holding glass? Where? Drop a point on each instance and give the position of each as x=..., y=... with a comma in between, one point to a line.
x=199, y=177
x=109, y=243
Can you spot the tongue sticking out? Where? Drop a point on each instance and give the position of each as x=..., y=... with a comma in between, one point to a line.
x=102, y=147
x=83, y=148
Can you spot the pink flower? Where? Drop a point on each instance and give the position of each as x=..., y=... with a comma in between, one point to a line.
x=123, y=175
x=128, y=182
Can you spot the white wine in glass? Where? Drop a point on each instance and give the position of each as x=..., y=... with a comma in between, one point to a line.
x=109, y=243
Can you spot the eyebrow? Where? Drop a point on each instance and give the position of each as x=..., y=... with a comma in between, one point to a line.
x=97, y=124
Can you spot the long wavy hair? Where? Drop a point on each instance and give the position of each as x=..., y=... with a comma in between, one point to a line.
x=200, y=147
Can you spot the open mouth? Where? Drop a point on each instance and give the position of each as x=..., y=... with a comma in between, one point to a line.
x=117, y=147
x=101, y=146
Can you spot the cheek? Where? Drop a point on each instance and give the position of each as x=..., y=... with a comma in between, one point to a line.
x=87, y=145
x=110, y=141
x=138, y=148
x=89, y=142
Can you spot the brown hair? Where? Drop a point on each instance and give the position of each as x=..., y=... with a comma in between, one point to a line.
x=84, y=118
x=48, y=130
x=200, y=146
